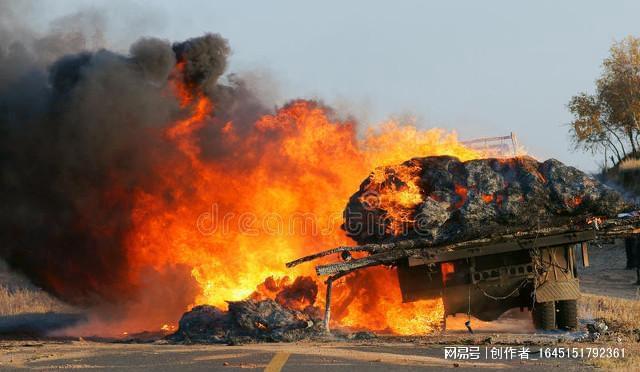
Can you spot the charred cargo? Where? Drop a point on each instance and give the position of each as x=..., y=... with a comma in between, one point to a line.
x=486, y=235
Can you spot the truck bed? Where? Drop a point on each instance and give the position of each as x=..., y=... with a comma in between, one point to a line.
x=419, y=251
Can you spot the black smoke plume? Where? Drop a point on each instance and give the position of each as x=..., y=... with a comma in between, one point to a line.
x=80, y=131
x=204, y=58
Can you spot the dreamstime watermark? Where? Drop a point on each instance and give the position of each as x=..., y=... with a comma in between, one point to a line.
x=213, y=222
x=364, y=219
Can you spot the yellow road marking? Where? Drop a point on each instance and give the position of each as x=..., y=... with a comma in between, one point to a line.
x=278, y=361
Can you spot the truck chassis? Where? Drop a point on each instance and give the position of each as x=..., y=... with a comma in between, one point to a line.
x=538, y=274
x=534, y=269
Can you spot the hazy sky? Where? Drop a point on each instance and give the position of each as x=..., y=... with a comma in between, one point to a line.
x=479, y=67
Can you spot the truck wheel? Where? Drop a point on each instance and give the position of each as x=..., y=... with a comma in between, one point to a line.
x=544, y=315
x=568, y=314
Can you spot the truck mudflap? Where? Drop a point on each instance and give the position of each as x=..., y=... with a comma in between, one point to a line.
x=558, y=291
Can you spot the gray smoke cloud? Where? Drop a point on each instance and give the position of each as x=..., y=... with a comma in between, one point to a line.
x=205, y=59
x=155, y=58
x=81, y=128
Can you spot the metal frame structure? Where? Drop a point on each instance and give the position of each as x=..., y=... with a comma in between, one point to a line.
x=543, y=260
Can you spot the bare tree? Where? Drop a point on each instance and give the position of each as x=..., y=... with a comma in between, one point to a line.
x=608, y=120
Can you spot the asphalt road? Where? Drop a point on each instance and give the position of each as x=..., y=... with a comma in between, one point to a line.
x=307, y=357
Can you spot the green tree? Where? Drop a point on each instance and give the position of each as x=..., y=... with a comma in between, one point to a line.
x=608, y=121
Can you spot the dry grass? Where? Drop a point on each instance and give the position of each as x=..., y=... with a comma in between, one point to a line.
x=27, y=300
x=19, y=296
x=622, y=316
x=616, y=312
x=631, y=361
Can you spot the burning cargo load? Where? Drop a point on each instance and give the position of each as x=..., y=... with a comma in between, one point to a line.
x=441, y=199
x=481, y=236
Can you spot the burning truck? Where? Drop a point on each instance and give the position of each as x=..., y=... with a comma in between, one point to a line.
x=485, y=235
x=118, y=183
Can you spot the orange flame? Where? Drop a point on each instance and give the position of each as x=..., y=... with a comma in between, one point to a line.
x=574, y=202
x=463, y=194
x=487, y=198
x=398, y=198
x=446, y=268
x=279, y=194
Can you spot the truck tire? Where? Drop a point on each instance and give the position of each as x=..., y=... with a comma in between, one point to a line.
x=567, y=314
x=544, y=316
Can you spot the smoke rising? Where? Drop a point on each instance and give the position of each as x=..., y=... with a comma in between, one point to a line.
x=205, y=59
x=155, y=58
x=81, y=129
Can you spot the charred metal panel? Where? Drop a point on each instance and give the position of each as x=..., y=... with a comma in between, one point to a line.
x=419, y=282
x=504, y=247
x=477, y=301
x=504, y=273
